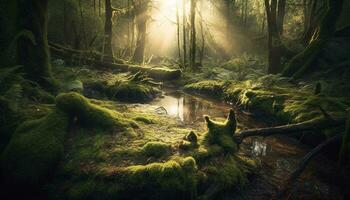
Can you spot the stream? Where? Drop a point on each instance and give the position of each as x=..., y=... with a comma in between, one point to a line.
x=278, y=155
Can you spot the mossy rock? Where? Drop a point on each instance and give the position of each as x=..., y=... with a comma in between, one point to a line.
x=132, y=92
x=209, y=88
x=127, y=91
x=221, y=134
x=156, y=149
x=35, y=149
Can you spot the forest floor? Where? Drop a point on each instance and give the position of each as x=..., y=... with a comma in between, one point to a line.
x=147, y=149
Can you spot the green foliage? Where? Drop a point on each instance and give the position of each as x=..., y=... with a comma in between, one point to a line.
x=35, y=149
x=245, y=67
x=156, y=149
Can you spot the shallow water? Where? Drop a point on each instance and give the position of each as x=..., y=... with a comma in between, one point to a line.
x=278, y=155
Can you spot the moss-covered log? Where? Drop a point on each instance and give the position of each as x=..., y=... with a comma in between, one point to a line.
x=94, y=58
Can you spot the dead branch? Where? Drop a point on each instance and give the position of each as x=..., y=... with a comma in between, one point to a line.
x=312, y=125
x=306, y=160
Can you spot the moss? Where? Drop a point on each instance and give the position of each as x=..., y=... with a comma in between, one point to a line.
x=35, y=149
x=144, y=119
x=221, y=134
x=156, y=149
x=38, y=94
x=226, y=172
x=89, y=114
x=211, y=87
x=132, y=92
x=169, y=180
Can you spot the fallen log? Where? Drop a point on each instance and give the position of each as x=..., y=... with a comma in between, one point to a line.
x=94, y=58
x=312, y=125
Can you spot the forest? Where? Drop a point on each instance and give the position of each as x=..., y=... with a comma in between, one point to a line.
x=175, y=99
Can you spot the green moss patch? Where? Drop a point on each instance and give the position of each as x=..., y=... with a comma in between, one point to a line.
x=35, y=149
x=156, y=149
x=89, y=114
x=211, y=88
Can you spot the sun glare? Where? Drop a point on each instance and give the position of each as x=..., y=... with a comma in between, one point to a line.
x=162, y=31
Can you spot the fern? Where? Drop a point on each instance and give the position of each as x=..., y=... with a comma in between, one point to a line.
x=14, y=94
x=6, y=73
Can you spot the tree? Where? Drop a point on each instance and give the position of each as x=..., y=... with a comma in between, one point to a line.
x=33, y=51
x=275, y=46
x=324, y=31
x=184, y=32
x=280, y=15
x=141, y=12
x=107, y=46
x=193, y=45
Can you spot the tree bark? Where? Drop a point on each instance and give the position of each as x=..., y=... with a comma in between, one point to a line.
x=274, y=41
x=33, y=53
x=178, y=29
x=184, y=31
x=193, y=47
x=280, y=15
x=107, y=46
x=141, y=22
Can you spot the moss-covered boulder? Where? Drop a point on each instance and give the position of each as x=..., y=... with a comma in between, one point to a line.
x=127, y=91
x=132, y=92
x=221, y=134
x=211, y=88
x=35, y=148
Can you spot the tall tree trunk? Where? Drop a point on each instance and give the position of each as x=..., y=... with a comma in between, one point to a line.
x=281, y=15
x=274, y=41
x=201, y=51
x=178, y=29
x=302, y=61
x=141, y=23
x=310, y=23
x=184, y=32
x=246, y=14
x=193, y=48
x=107, y=46
x=33, y=53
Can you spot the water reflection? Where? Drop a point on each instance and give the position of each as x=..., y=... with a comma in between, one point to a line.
x=259, y=148
x=188, y=108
